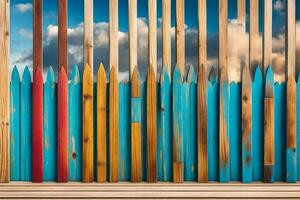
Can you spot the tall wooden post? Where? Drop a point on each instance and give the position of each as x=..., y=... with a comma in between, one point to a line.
x=63, y=34
x=152, y=35
x=37, y=34
x=4, y=94
x=132, y=10
x=166, y=34
x=223, y=34
x=180, y=36
x=267, y=39
x=254, y=35
x=88, y=34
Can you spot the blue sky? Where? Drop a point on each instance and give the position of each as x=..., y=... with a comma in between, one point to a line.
x=21, y=27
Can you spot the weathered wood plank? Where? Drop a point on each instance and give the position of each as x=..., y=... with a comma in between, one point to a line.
x=267, y=39
x=37, y=34
x=223, y=34
x=246, y=126
x=164, y=135
x=166, y=35
x=151, y=126
x=101, y=125
x=75, y=126
x=152, y=35
x=180, y=35
x=14, y=149
x=63, y=34
x=178, y=175
x=241, y=13
x=87, y=125
x=136, y=149
x=224, y=159
x=202, y=34
x=113, y=34
x=269, y=160
x=132, y=32
x=26, y=126
x=37, y=126
x=291, y=167
x=290, y=48
x=113, y=125
x=50, y=127
x=62, y=126
x=4, y=94
x=88, y=39
x=254, y=35
x=202, y=125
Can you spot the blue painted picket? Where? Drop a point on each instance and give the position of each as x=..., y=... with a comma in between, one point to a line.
x=50, y=127
x=15, y=164
x=26, y=135
x=164, y=137
x=298, y=127
x=75, y=126
x=258, y=126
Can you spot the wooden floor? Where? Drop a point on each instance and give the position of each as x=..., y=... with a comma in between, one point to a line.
x=21, y=190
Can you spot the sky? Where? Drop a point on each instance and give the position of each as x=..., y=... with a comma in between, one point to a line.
x=21, y=34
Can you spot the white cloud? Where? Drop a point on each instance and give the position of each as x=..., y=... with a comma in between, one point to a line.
x=279, y=5
x=25, y=33
x=23, y=7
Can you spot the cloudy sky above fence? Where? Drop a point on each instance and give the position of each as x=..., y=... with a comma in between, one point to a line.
x=21, y=34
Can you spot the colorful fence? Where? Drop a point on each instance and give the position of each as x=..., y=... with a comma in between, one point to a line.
x=176, y=129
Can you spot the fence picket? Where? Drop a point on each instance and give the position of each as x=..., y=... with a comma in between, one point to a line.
x=298, y=127
x=247, y=158
x=50, y=128
x=101, y=124
x=164, y=134
x=15, y=164
x=178, y=157
x=136, y=160
x=269, y=160
x=144, y=129
x=87, y=125
x=75, y=126
x=62, y=126
x=151, y=126
x=26, y=126
x=224, y=137
x=291, y=163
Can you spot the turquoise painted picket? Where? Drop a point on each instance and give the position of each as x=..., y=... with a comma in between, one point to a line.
x=15, y=164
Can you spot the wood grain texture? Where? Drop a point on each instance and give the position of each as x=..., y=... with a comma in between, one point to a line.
x=269, y=151
x=224, y=159
x=151, y=126
x=132, y=32
x=87, y=125
x=113, y=35
x=37, y=126
x=37, y=33
x=62, y=126
x=88, y=40
x=101, y=124
x=223, y=34
x=202, y=125
x=254, y=35
x=166, y=35
x=246, y=125
x=4, y=94
x=113, y=125
x=202, y=34
x=290, y=48
x=152, y=35
x=136, y=149
x=241, y=12
x=180, y=35
x=63, y=34
x=267, y=39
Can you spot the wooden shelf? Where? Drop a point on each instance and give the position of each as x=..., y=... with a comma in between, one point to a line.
x=21, y=190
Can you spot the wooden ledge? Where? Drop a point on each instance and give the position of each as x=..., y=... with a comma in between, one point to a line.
x=21, y=190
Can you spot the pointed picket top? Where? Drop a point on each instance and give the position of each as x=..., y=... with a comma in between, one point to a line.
x=177, y=75
x=37, y=74
x=223, y=76
x=164, y=76
x=135, y=83
x=15, y=74
x=50, y=76
x=62, y=74
x=212, y=76
x=269, y=84
x=75, y=76
x=87, y=73
x=101, y=72
x=246, y=77
x=113, y=74
x=258, y=75
x=191, y=77
x=26, y=75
